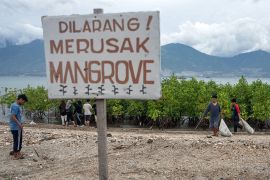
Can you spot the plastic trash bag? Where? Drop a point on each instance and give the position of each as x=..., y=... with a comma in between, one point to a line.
x=241, y=123
x=247, y=127
x=32, y=123
x=224, y=130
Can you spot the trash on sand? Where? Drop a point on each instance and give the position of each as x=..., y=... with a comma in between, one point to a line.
x=32, y=123
x=150, y=141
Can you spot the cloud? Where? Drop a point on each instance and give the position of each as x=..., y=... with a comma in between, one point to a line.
x=19, y=34
x=223, y=39
x=37, y=5
x=20, y=19
x=51, y=7
x=214, y=27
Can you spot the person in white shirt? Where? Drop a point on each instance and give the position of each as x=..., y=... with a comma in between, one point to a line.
x=87, y=111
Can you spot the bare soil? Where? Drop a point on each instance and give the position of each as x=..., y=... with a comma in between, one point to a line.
x=56, y=152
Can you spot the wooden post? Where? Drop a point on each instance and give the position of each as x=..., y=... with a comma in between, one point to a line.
x=102, y=131
x=102, y=139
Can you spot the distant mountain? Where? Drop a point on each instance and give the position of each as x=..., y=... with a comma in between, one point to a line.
x=186, y=61
x=28, y=59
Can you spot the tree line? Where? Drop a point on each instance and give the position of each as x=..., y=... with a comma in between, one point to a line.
x=180, y=98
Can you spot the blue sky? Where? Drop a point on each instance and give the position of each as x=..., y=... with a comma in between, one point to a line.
x=217, y=27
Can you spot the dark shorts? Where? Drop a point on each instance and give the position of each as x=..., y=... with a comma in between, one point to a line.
x=87, y=117
x=214, y=123
x=70, y=117
x=235, y=119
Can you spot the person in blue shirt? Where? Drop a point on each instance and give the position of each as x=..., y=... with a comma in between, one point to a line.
x=16, y=125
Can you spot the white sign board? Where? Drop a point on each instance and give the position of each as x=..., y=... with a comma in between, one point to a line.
x=106, y=56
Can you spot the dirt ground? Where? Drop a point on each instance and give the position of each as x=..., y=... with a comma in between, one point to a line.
x=54, y=152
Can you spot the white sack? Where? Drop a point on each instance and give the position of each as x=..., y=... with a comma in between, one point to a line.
x=224, y=130
x=247, y=127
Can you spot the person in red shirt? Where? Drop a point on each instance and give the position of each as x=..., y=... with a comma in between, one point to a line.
x=236, y=114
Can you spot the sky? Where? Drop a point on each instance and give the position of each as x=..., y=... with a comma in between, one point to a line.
x=216, y=27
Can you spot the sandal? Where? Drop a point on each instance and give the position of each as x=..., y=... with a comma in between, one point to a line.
x=18, y=156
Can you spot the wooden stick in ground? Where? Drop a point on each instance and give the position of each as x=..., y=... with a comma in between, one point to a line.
x=36, y=152
x=199, y=122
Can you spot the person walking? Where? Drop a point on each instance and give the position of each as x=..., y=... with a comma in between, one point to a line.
x=78, y=113
x=63, y=112
x=94, y=114
x=87, y=111
x=16, y=125
x=215, y=114
x=236, y=115
x=69, y=111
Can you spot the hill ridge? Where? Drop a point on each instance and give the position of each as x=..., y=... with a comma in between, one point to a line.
x=28, y=59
